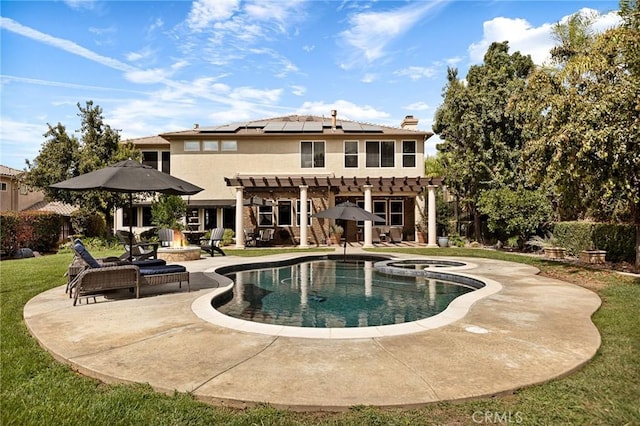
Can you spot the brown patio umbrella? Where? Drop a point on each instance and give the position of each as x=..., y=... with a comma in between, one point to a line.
x=129, y=177
x=348, y=211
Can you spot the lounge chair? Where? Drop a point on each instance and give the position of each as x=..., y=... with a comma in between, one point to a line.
x=98, y=278
x=375, y=234
x=212, y=244
x=395, y=234
x=140, y=250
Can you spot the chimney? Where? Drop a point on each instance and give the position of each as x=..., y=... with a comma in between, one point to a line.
x=196, y=126
x=409, y=123
x=334, y=117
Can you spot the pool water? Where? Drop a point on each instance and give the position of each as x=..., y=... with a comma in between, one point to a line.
x=332, y=293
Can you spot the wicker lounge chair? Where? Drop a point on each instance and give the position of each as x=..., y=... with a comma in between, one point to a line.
x=395, y=234
x=97, y=278
x=212, y=244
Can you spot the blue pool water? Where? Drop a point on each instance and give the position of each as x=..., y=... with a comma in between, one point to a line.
x=333, y=293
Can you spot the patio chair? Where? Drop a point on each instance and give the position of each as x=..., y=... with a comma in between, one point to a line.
x=265, y=236
x=375, y=234
x=97, y=278
x=250, y=237
x=166, y=237
x=395, y=234
x=140, y=250
x=212, y=244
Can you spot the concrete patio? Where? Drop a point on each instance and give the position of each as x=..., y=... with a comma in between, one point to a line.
x=532, y=329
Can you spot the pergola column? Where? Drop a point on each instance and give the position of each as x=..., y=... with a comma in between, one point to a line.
x=239, y=217
x=368, y=204
x=303, y=216
x=431, y=216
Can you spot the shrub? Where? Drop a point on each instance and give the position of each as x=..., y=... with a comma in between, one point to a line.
x=88, y=223
x=9, y=222
x=227, y=237
x=617, y=239
x=574, y=236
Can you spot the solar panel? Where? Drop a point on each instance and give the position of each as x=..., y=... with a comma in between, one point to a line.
x=293, y=126
x=351, y=126
x=274, y=126
x=371, y=128
x=312, y=126
x=227, y=128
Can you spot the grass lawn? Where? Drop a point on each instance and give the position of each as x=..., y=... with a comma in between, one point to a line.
x=37, y=390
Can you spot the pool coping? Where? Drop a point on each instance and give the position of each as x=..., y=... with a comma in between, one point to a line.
x=457, y=309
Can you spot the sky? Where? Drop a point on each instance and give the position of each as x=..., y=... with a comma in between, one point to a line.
x=161, y=66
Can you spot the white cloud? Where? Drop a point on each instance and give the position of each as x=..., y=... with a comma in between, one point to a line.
x=308, y=48
x=370, y=33
x=417, y=106
x=298, y=90
x=369, y=78
x=346, y=110
x=529, y=40
x=416, y=73
x=205, y=12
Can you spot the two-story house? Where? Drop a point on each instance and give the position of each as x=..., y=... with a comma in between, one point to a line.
x=295, y=166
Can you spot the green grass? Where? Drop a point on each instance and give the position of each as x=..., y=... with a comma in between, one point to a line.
x=37, y=390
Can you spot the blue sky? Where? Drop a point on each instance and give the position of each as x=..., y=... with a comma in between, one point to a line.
x=158, y=66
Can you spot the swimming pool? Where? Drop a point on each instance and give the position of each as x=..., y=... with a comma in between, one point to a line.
x=335, y=293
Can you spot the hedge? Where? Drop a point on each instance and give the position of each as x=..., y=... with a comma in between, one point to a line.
x=617, y=239
x=37, y=230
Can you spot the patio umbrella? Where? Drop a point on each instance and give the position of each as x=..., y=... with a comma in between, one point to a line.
x=129, y=177
x=348, y=211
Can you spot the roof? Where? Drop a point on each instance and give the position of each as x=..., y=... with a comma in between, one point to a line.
x=54, y=207
x=8, y=171
x=148, y=140
x=297, y=124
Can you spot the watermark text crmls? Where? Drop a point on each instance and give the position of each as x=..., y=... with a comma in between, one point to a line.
x=497, y=417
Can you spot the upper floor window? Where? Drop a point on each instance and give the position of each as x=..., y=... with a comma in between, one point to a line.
x=192, y=145
x=229, y=145
x=3, y=186
x=210, y=145
x=380, y=153
x=312, y=154
x=408, y=153
x=350, y=154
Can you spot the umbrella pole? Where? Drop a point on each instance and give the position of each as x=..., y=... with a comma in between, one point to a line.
x=344, y=255
x=130, y=227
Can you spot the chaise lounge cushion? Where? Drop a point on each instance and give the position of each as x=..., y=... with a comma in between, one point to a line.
x=85, y=255
x=160, y=270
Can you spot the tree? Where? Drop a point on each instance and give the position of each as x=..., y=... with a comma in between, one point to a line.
x=168, y=210
x=582, y=123
x=481, y=142
x=63, y=157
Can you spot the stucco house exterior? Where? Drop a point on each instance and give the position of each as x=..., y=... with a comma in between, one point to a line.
x=296, y=166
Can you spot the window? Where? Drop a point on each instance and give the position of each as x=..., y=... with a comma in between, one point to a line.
x=309, y=212
x=192, y=145
x=166, y=162
x=380, y=153
x=312, y=154
x=210, y=146
x=380, y=209
x=3, y=186
x=408, y=153
x=150, y=158
x=130, y=217
x=351, y=154
x=396, y=213
x=210, y=218
x=146, y=216
x=229, y=145
x=285, y=215
x=265, y=216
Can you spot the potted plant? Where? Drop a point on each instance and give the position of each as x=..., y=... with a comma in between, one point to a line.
x=549, y=244
x=593, y=255
x=336, y=233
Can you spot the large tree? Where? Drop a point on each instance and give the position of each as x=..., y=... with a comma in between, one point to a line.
x=481, y=142
x=63, y=156
x=582, y=121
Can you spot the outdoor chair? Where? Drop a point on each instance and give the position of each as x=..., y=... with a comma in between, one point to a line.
x=250, y=237
x=375, y=234
x=212, y=244
x=395, y=234
x=98, y=278
x=265, y=237
x=140, y=250
x=166, y=237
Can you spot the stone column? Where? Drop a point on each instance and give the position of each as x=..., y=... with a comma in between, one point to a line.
x=303, y=216
x=432, y=216
x=368, y=206
x=239, y=217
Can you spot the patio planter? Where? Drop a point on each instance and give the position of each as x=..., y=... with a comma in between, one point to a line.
x=443, y=241
x=593, y=256
x=555, y=252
